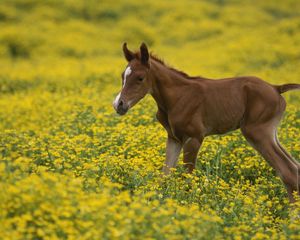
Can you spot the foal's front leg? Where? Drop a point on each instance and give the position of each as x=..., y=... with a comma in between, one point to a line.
x=172, y=154
x=190, y=151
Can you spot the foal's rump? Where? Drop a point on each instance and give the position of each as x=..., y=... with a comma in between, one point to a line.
x=264, y=102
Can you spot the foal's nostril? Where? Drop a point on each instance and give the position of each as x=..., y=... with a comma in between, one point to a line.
x=121, y=103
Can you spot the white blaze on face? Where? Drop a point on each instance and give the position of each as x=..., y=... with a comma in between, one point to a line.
x=126, y=74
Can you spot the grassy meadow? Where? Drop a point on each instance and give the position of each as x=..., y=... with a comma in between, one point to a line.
x=71, y=168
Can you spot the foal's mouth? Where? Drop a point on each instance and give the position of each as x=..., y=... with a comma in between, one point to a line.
x=121, y=111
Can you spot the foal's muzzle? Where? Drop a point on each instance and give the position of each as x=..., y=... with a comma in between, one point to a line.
x=122, y=107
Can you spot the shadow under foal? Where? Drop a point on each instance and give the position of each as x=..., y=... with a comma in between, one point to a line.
x=191, y=108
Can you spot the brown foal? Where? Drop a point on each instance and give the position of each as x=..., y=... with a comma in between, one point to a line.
x=191, y=108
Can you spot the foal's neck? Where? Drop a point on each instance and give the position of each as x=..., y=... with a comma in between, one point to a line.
x=167, y=85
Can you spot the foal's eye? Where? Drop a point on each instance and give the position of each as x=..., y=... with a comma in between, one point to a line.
x=140, y=79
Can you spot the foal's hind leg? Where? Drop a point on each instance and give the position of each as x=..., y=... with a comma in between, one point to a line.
x=263, y=138
x=287, y=155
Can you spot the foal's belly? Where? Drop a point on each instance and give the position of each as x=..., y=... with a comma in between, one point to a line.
x=223, y=115
x=222, y=128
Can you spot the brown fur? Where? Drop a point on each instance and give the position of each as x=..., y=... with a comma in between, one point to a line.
x=191, y=108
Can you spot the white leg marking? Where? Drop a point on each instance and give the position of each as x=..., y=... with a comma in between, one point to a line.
x=172, y=154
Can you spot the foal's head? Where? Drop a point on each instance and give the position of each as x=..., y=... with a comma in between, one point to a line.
x=135, y=81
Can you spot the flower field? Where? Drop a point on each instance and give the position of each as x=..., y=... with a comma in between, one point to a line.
x=71, y=168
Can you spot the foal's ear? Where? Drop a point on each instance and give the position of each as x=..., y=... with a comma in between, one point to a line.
x=144, y=54
x=127, y=53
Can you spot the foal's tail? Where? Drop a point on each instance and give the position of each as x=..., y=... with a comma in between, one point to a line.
x=287, y=87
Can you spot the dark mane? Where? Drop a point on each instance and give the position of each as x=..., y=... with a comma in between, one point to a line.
x=157, y=59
